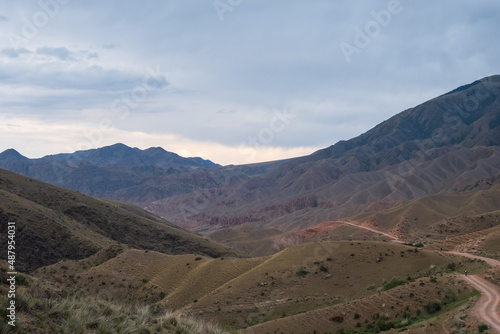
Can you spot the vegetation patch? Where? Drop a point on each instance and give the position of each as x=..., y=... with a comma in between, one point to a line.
x=302, y=273
x=394, y=282
x=74, y=313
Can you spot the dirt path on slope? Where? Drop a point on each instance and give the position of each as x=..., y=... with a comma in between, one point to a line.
x=492, y=262
x=488, y=306
x=371, y=230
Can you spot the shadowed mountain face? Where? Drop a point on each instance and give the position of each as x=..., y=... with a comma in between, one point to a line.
x=448, y=145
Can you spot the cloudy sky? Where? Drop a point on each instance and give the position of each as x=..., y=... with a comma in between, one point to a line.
x=234, y=81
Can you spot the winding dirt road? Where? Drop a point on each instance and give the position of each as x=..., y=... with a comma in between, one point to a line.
x=492, y=262
x=488, y=306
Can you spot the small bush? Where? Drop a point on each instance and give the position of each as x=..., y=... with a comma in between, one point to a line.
x=433, y=307
x=383, y=324
x=370, y=287
x=356, y=316
x=394, y=282
x=197, y=259
x=482, y=328
x=419, y=245
x=302, y=273
x=448, y=298
x=22, y=280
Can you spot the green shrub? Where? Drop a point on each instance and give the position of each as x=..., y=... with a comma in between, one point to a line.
x=482, y=328
x=383, y=324
x=394, y=282
x=433, y=307
x=451, y=266
x=22, y=280
x=302, y=273
x=448, y=298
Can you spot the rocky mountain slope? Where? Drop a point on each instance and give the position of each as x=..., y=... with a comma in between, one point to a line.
x=448, y=145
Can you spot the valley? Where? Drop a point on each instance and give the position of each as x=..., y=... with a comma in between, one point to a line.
x=373, y=234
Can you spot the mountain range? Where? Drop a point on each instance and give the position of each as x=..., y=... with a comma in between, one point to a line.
x=448, y=145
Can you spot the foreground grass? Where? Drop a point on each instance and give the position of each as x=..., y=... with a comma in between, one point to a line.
x=42, y=311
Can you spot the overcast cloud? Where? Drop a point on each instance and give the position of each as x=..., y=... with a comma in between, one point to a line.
x=231, y=81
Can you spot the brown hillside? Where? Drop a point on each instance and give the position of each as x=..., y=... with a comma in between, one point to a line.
x=237, y=293
x=438, y=217
x=54, y=224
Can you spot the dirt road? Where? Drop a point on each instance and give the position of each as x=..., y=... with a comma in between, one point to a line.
x=491, y=262
x=488, y=306
x=370, y=229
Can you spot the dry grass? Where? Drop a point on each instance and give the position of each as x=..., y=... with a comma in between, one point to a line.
x=40, y=309
x=239, y=292
x=273, y=289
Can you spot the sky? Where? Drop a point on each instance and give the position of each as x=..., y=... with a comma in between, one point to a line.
x=233, y=81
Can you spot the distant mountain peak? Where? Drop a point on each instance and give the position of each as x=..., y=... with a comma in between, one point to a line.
x=11, y=154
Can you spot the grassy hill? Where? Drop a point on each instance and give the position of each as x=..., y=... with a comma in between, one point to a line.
x=44, y=307
x=238, y=293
